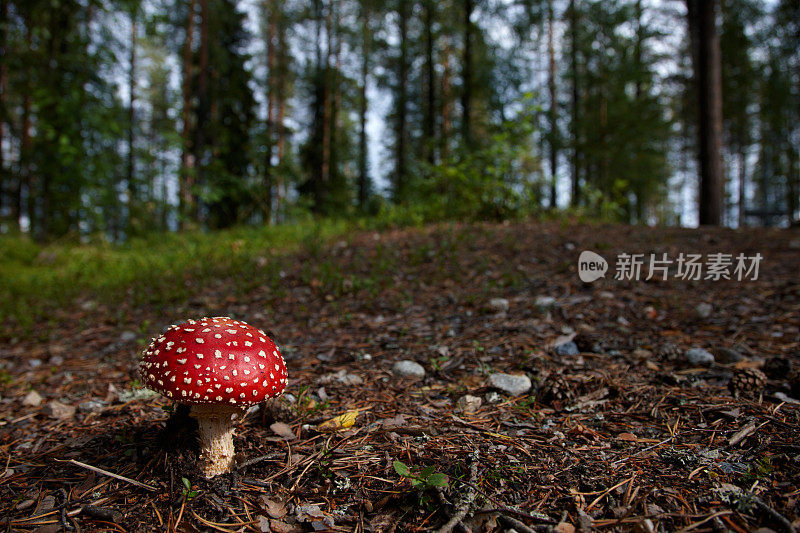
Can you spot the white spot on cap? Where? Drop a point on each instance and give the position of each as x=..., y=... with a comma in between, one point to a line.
x=262, y=354
x=246, y=372
x=199, y=356
x=248, y=343
x=180, y=350
x=217, y=336
x=229, y=390
x=234, y=372
x=199, y=340
x=231, y=356
x=219, y=398
x=188, y=330
x=223, y=367
x=231, y=331
x=255, y=392
x=172, y=379
x=242, y=395
x=217, y=354
x=246, y=359
x=206, y=330
x=188, y=381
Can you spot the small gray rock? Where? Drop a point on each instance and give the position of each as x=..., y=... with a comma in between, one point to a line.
x=469, y=404
x=342, y=376
x=58, y=410
x=699, y=356
x=128, y=336
x=90, y=406
x=408, y=369
x=545, y=302
x=513, y=384
x=499, y=304
x=32, y=399
x=704, y=310
x=35, y=363
x=493, y=397
x=568, y=348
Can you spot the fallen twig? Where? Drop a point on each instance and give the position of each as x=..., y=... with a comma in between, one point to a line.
x=464, y=503
x=111, y=474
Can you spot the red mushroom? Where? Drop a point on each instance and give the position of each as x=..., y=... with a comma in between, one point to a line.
x=218, y=366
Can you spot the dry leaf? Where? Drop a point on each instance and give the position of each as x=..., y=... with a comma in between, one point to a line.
x=282, y=430
x=343, y=421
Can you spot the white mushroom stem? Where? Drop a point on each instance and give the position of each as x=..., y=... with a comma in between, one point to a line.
x=216, y=436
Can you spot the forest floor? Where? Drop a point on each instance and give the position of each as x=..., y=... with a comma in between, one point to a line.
x=626, y=432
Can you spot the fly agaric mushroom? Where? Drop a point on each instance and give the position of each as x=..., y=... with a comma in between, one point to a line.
x=219, y=367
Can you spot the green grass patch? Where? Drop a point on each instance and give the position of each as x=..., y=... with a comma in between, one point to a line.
x=154, y=270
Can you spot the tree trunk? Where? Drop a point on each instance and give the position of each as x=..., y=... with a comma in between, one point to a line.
x=186, y=185
x=742, y=203
x=793, y=184
x=326, y=98
x=553, y=112
x=132, y=192
x=363, y=178
x=402, y=106
x=444, y=131
x=466, y=76
x=271, y=97
x=25, y=139
x=575, y=103
x=4, y=185
x=708, y=81
x=282, y=87
x=430, y=85
x=204, y=107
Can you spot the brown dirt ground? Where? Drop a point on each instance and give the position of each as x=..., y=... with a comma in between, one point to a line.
x=623, y=436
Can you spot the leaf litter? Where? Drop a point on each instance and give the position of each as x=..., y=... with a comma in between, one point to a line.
x=620, y=434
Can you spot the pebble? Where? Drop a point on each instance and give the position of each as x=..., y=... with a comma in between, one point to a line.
x=493, y=397
x=90, y=406
x=58, y=410
x=704, y=309
x=32, y=399
x=469, y=404
x=128, y=336
x=564, y=527
x=568, y=348
x=513, y=384
x=408, y=369
x=35, y=363
x=343, y=377
x=699, y=356
x=545, y=302
x=727, y=355
x=499, y=304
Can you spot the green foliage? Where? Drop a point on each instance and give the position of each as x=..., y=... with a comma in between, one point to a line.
x=187, y=491
x=422, y=479
x=154, y=270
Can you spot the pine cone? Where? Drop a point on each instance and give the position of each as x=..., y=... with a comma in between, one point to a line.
x=555, y=389
x=748, y=382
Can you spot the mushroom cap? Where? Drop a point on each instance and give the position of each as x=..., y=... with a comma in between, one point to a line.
x=214, y=360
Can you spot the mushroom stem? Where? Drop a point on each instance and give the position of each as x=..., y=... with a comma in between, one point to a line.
x=216, y=436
